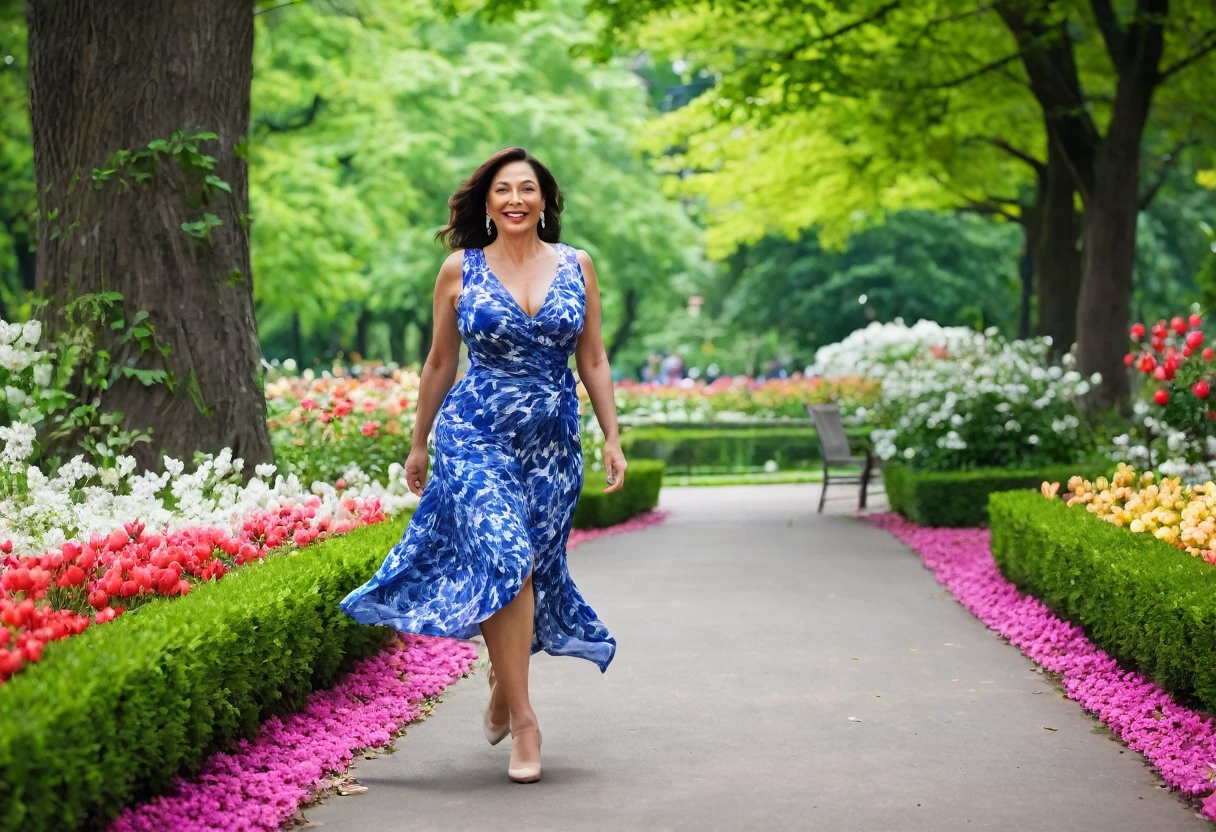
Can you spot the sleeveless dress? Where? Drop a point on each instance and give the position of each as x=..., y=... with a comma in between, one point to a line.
x=507, y=473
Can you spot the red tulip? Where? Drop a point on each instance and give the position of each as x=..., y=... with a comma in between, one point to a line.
x=1178, y=325
x=128, y=589
x=369, y=429
x=1201, y=389
x=98, y=599
x=1186, y=352
x=1137, y=331
x=1208, y=353
x=1159, y=373
x=167, y=583
x=323, y=417
x=19, y=580
x=1161, y=397
x=6, y=547
x=1158, y=343
x=308, y=404
x=1194, y=339
x=10, y=662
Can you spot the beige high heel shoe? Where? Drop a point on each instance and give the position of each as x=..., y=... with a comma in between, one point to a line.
x=494, y=733
x=526, y=772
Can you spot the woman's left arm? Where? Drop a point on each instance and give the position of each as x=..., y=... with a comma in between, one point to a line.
x=593, y=370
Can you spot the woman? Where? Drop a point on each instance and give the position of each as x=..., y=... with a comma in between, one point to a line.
x=485, y=550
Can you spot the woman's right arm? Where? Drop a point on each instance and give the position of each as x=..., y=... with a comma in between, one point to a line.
x=439, y=370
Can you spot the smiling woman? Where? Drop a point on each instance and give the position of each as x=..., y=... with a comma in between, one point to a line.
x=485, y=551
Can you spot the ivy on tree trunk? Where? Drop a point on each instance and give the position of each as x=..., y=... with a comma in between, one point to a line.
x=161, y=225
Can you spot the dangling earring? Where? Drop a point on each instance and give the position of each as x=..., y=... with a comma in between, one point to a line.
x=542, y=219
x=487, y=223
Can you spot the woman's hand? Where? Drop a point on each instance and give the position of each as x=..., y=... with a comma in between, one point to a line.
x=614, y=465
x=416, y=466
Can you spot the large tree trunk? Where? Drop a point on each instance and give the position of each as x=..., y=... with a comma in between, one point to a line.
x=397, y=325
x=1058, y=256
x=105, y=76
x=1103, y=309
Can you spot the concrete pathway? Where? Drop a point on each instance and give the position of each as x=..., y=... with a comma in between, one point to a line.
x=775, y=670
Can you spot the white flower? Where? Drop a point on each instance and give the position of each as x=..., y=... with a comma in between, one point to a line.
x=31, y=331
x=265, y=469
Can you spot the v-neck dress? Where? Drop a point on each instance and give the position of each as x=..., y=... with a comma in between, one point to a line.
x=507, y=472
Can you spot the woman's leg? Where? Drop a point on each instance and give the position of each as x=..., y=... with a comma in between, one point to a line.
x=508, y=635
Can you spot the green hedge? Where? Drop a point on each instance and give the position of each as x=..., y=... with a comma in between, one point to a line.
x=643, y=479
x=1149, y=605
x=960, y=498
x=726, y=450
x=109, y=716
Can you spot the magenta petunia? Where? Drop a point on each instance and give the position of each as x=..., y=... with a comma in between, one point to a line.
x=1178, y=741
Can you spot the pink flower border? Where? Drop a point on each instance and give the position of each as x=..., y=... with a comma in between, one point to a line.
x=1179, y=742
x=260, y=784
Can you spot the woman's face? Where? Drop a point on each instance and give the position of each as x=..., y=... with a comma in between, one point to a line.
x=515, y=201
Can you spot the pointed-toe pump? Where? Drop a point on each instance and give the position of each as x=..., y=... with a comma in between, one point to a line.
x=494, y=733
x=526, y=772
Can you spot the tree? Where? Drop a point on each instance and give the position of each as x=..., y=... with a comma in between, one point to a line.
x=774, y=61
x=138, y=116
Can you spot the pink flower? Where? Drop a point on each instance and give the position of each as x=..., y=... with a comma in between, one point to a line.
x=301, y=538
x=369, y=428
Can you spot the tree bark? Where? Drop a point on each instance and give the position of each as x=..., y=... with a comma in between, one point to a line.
x=624, y=327
x=1103, y=308
x=104, y=76
x=1058, y=256
x=361, y=324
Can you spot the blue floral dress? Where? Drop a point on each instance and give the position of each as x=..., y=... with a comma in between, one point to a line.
x=507, y=474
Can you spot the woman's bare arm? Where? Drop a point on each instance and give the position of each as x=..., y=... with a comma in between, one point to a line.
x=439, y=370
x=593, y=370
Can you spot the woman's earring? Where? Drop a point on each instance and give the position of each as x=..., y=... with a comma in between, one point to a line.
x=542, y=219
x=487, y=223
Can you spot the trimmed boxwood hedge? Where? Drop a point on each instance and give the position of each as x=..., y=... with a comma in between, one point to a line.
x=1150, y=606
x=688, y=450
x=109, y=716
x=643, y=479
x=960, y=498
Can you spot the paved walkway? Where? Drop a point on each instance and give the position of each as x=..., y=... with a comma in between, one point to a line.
x=775, y=670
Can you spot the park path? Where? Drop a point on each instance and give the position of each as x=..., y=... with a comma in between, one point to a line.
x=775, y=670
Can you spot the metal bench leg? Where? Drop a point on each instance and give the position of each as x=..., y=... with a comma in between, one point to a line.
x=865, y=480
x=823, y=492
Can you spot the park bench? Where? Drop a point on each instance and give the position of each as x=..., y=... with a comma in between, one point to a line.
x=837, y=453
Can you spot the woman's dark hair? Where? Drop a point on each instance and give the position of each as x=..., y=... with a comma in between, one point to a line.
x=466, y=226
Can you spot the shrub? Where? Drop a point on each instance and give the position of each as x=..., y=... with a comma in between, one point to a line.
x=643, y=479
x=111, y=715
x=1147, y=604
x=959, y=498
x=730, y=450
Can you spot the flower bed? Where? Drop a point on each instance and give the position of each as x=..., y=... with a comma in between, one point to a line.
x=49, y=597
x=341, y=426
x=260, y=784
x=732, y=399
x=952, y=399
x=1178, y=741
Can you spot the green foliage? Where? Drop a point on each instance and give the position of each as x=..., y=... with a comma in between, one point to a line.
x=363, y=126
x=734, y=450
x=955, y=269
x=113, y=714
x=16, y=166
x=1146, y=603
x=960, y=498
x=596, y=509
